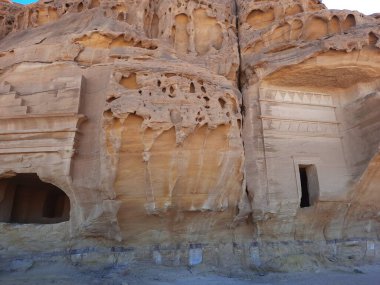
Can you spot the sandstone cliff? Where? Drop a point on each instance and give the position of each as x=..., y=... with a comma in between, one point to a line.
x=190, y=128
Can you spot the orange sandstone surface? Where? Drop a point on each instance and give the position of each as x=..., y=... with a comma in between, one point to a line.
x=228, y=133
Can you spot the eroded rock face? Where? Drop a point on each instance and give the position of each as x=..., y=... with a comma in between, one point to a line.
x=158, y=104
x=307, y=72
x=168, y=123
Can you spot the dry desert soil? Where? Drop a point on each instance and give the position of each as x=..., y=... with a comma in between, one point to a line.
x=147, y=274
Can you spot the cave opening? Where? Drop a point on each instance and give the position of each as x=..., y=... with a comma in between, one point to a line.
x=309, y=185
x=305, y=200
x=26, y=199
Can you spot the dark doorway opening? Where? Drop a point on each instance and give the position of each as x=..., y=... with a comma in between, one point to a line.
x=309, y=185
x=305, y=200
x=54, y=205
x=24, y=198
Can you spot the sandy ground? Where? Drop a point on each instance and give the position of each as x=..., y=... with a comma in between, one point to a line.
x=158, y=275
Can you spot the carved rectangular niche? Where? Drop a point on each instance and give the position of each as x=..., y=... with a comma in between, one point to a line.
x=306, y=175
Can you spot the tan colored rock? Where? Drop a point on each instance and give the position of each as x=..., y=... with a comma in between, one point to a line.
x=156, y=92
x=187, y=130
x=310, y=82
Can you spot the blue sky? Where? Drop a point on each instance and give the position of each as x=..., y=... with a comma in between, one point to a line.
x=364, y=6
x=24, y=1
